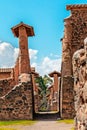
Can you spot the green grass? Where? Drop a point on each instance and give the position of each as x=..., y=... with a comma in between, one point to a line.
x=7, y=129
x=70, y=121
x=72, y=128
x=17, y=122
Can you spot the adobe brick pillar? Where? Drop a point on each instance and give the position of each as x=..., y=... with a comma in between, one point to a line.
x=67, y=97
x=55, y=75
x=16, y=71
x=51, y=98
x=22, y=31
x=22, y=68
x=66, y=92
x=66, y=49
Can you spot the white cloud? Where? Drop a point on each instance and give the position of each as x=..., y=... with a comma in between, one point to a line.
x=48, y=65
x=54, y=55
x=33, y=53
x=8, y=56
x=16, y=51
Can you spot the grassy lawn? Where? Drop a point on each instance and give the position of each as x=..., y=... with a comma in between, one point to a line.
x=17, y=122
x=7, y=129
x=5, y=124
x=70, y=121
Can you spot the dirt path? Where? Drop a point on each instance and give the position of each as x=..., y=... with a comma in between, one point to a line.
x=45, y=125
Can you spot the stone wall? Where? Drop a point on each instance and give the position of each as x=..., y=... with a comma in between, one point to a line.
x=74, y=34
x=6, y=73
x=67, y=97
x=80, y=87
x=5, y=86
x=17, y=104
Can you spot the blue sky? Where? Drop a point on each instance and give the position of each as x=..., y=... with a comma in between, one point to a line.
x=46, y=16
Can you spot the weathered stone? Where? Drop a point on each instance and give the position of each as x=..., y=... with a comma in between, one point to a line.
x=74, y=34
x=67, y=97
x=80, y=87
x=17, y=105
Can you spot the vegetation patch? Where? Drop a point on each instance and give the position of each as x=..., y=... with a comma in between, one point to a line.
x=17, y=122
x=72, y=128
x=70, y=121
x=7, y=129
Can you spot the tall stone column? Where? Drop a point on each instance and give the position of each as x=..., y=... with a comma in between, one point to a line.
x=55, y=75
x=66, y=50
x=22, y=68
x=22, y=31
x=67, y=82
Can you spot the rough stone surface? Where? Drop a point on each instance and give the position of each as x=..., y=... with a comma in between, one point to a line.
x=67, y=97
x=5, y=86
x=6, y=73
x=17, y=104
x=80, y=87
x=24, y=78
x=74, y=34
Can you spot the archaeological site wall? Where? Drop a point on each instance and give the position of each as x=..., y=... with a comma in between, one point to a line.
x=17, y=103
x=16, y=87
x=80, y=87
x=74, y=34
x=6, y=85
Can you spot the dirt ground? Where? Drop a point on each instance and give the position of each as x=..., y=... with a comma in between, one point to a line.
x=44, y=125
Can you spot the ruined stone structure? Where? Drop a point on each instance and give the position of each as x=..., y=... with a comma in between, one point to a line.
x=6, y=73
x=19, y=82
x=17, y=103
x=16, y=86
x=80, y=87
x=74, y=34
x=54, y=91
x=35, y=90
x=23, y=62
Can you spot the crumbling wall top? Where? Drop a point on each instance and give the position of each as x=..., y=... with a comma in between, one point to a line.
x=77, y=7
x=6, y=69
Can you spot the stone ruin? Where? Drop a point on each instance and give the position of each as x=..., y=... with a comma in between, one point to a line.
x=19, y=93
x=53, y=97
x=17, y=85
x=80, y=86
x=74, y=34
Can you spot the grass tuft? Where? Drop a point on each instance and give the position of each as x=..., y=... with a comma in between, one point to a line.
x=70, y=121
x=72, y=128
x=7, y=129
x=17, y=122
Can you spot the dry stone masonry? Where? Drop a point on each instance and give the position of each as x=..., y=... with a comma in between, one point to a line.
x=16, y=87
x=80, y=87
x=17, y=104
x=18, y=90
x=54, y=91
x=5, y=86
x=74, y=34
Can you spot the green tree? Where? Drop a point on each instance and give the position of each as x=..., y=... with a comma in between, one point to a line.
x=43, y=82
x=47, y=80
